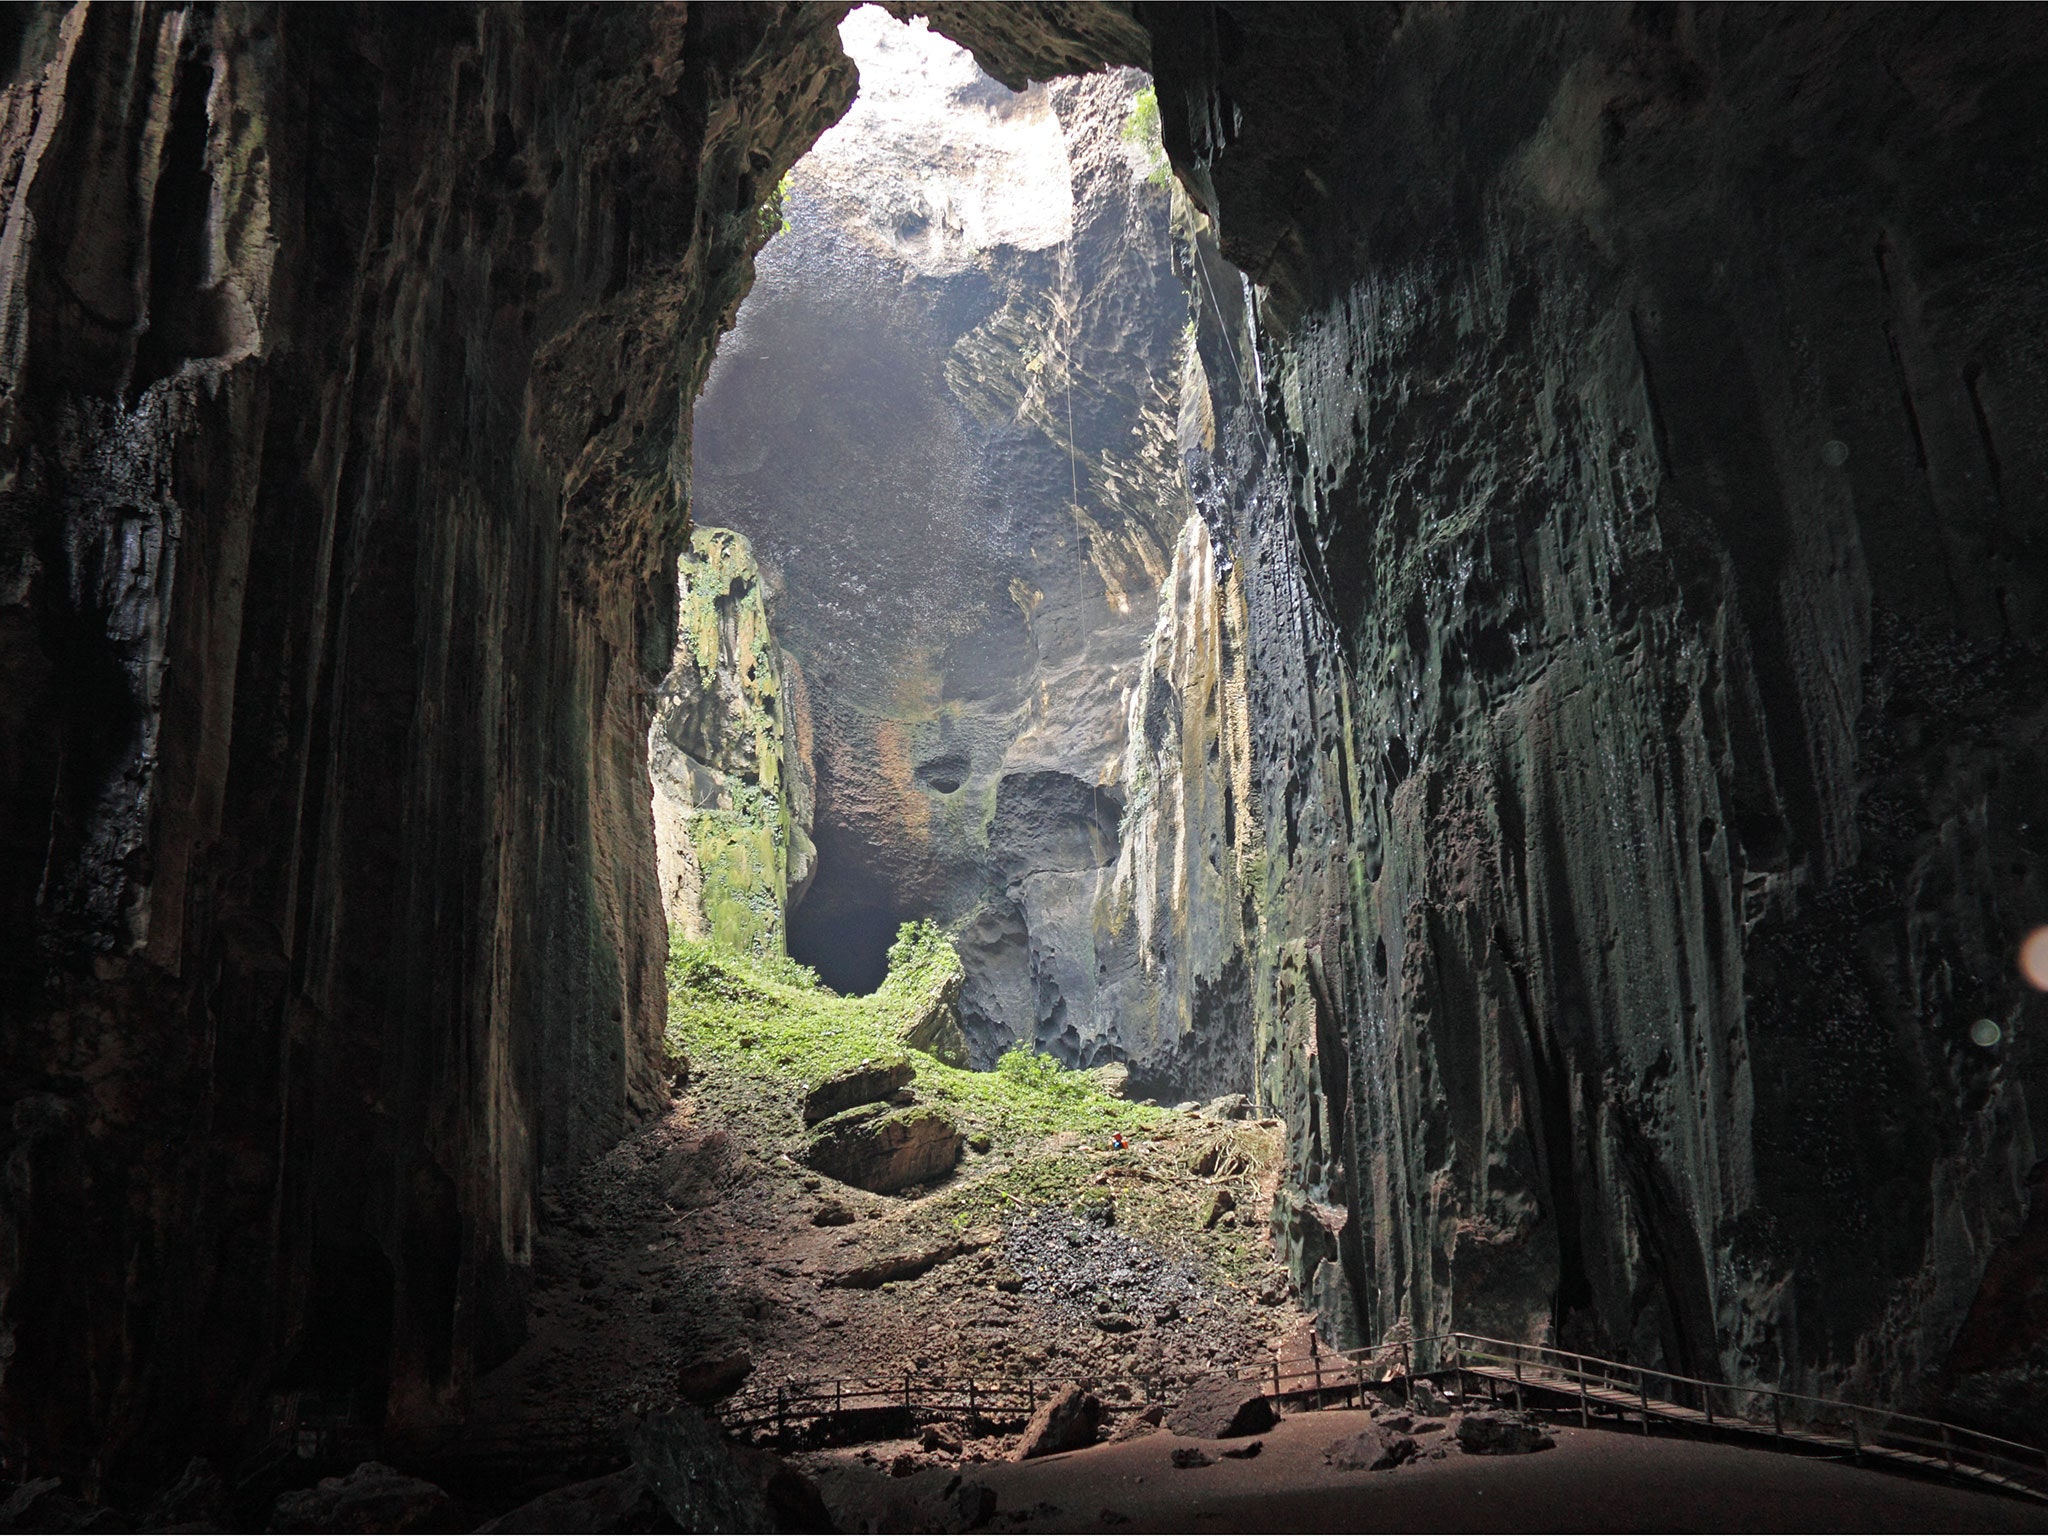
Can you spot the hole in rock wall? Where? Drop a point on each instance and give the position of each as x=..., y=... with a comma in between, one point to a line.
x=944, y=430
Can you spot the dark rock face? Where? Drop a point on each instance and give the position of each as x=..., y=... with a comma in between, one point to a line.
x=347, y=361
x=1617, y=610
x=1635, y=480
x=885, y=1150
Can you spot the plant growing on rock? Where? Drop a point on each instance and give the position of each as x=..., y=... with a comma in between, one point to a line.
x=1142, y=129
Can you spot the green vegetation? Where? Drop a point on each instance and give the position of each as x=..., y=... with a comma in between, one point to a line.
x=727, y=710
x=774, y=1021
x=1142, y=129
x=774, y=214
x=764, y=1030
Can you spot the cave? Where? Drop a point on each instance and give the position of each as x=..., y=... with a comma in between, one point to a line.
x=1457, y=639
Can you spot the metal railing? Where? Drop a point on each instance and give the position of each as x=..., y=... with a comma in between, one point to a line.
x=1612, y=1387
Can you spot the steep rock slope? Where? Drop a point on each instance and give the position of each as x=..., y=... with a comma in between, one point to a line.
x=947, y=418
x=729, y=755
x=1629, y=441
x=345, y=357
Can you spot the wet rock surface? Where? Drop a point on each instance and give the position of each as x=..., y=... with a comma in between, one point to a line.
x=1084, y=1269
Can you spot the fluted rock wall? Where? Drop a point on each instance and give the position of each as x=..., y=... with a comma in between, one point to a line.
x=1624, y=468
x=730, y=758
x=1630, y=447
x=343, y=357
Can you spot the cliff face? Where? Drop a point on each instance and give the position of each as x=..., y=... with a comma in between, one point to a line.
x=346, y=359
x=947, y=418
x=1629, y=447
x=1605, y=682
x=729, y=756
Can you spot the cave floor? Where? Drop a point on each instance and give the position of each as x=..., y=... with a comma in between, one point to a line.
x=689, y=1263
x=1593, y=1480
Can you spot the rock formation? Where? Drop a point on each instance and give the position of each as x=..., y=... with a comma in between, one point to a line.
x=948, y=419
x=1615, y=434
x=1631, y=476
x=729, y=757
x=345, y=365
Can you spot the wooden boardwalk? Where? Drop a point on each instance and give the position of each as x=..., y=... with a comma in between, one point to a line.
x=1765, y=1416
x=1560, y=1381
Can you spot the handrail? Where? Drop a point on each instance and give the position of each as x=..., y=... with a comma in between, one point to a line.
x=814, y=1398
x=1730, y=1386
x=1956, y=1447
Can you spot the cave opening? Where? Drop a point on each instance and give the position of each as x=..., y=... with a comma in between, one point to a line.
x=940, y=444
x=1512, y=714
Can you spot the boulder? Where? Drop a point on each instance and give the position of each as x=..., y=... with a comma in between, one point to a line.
x=885, y=1150
x=714, y=1374
x=1426, y=1398
x=936, y=1029
x=1231, y=1106
x=871, y=1273
x=40, y=1505
x=1370, y=1450
x=832, y=1213
x=621, y=1502
x=851, y=1087
x=1222, y=1408
x=198, y=1497
x=374, y=1497
x=1113, y=1079
x=700, y=1484
x=1065, y=1422
x=1500, y=1434
x=1192, y=1456
x=1145, y=1421
x=793, y=1500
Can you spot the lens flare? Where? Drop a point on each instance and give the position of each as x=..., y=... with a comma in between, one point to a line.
x=2034, y=959
x=1985, y=1033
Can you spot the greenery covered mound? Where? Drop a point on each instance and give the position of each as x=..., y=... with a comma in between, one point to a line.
x=763, y=1031
x=772, y=1019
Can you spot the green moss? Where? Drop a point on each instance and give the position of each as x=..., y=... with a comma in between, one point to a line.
x=772, y=1020
x=766, y=1031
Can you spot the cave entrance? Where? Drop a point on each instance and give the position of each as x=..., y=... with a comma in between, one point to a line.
x=944, y=426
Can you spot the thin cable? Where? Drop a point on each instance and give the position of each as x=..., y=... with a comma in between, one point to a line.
x=1222, y=325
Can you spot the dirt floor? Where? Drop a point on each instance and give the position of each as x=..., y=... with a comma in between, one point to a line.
x=690, y=1262
x=1593, y=1480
